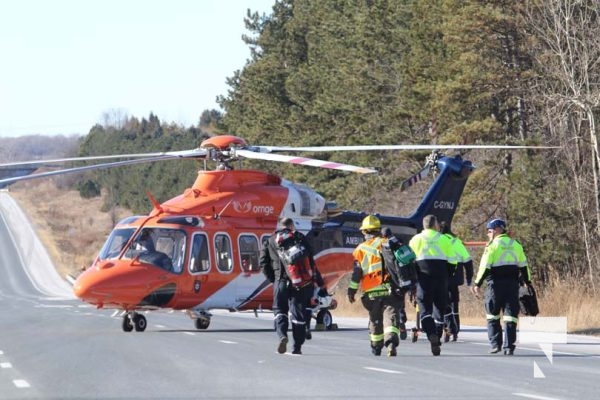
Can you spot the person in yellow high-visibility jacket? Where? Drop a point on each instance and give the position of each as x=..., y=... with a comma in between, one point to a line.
x=464, y=270
x=436, y=261
x=368, y=274
x=504, y=267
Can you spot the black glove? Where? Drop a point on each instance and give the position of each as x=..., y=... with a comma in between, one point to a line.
x=322, y=292
x=351, y=298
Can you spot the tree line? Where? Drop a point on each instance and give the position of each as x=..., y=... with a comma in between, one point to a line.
x=444, y=72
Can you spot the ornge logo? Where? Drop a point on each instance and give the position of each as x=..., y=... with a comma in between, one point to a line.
x=246, y=207
x=242, y=207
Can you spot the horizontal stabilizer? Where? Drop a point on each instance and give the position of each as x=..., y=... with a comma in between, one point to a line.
x=415, y=178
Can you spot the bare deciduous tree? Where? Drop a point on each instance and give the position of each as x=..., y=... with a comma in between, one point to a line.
x=567, y=34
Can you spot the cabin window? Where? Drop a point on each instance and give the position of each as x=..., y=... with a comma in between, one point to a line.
x=223, y=253
x=199, y=258
x=249, y=253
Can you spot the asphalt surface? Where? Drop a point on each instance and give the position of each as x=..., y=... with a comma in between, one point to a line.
x=55, y=347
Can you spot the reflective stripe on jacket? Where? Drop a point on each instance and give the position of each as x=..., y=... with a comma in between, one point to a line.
x=368, y=255
x=433, y=250
x=502, y=257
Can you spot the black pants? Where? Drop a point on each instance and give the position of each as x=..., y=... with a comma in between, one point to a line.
x=290, y=300
x=502, y=296
x=432, y=298
x=451, y=316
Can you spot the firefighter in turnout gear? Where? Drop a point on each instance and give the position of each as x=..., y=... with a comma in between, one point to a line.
x=436, y=261
x=376, y=297
x=503, y=266
x=287, y=297
x=464, y=269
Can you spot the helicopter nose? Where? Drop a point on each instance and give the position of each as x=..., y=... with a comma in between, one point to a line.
x=122, y=284
x=91, y=288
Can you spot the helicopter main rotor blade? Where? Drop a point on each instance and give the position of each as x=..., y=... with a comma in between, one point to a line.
x=303, y=161
x=273, y=149
x=164, y=157
x=173, y=154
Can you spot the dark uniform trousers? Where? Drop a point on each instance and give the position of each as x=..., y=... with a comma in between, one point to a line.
x=432, y=298
x=452, y=317
x=383, y=316
x=290, y=300
x=502, y=295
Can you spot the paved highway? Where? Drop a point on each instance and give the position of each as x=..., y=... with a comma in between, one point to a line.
x=54, y=347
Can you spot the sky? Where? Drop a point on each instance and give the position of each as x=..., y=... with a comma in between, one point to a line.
x=64, y=64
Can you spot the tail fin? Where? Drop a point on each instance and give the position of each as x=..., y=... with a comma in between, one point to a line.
x=442, y=197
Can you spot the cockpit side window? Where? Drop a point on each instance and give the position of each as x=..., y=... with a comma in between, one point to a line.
x=223, y=253
x=249, y=253
x=162, y=247
x=199, y=258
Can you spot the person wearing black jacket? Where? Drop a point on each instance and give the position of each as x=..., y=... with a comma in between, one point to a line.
x=287, y=297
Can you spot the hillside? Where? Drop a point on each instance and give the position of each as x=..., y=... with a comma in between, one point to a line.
x=71, y=228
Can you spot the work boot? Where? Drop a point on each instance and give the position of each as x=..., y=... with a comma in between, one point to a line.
x=455, y=337
x=308, y=335
x=495, y=350
x=403, y=334
x=435, y=344
x=282, y=347
x=446, y=335
x=509, y=352
x=414, y=335
x=297, y=350
x=376, y=351
x=392, y=351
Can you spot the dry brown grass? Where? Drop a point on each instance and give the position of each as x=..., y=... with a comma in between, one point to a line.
x=569, y=300
x=73, y=230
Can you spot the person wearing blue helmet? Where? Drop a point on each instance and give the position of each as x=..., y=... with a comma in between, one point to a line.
x=503, y=266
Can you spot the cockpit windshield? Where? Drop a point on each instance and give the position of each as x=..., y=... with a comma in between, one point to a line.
x=161, y=247
x=115, y=243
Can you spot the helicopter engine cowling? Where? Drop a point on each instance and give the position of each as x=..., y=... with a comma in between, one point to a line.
x=302, y=201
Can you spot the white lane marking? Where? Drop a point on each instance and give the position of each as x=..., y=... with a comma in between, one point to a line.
x=227, y=342
x=533, y=396
x=190, y=333
x=540, y=350
x=1, y=352
x=160, y=326
x=53, y=306
x=387, y=371
x=5, y=365
x=20, y=383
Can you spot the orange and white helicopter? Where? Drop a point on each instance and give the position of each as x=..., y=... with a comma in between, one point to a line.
x=200, y=250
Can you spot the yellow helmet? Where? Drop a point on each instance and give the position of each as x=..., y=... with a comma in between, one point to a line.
x=370, y=223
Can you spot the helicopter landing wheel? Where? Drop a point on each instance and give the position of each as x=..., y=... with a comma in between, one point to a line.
x=202, y=323
x=127, y=325
x=140, y=323
x=325, y=319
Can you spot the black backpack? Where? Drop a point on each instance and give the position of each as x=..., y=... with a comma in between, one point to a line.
x=528, y=301
x=399, y=264
x=294, y=257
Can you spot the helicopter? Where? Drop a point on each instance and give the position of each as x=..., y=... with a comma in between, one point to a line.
x=199, y=251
